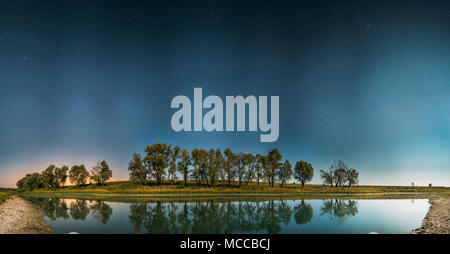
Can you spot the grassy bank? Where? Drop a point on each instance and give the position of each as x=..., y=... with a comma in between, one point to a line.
x=126, y=187
x=5, y=194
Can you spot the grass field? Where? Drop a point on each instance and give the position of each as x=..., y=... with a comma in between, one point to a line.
x=126, y=187
x=5, y=194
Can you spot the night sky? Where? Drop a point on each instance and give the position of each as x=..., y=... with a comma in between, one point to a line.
x=367, y=82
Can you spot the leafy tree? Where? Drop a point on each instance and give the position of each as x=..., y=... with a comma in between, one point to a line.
x=174, y=156
x=240, y=164
x=259, y=169
x=48, y=177
x=303, y=172
x=203, y=166
x=158, y=157
x=351, y=177
x=184, y=163
x=34, y=181
x=274, y=164
x=30, y=182
x=138, y=173
x=214, y=165
x=285, y=172
x=229, y=165
x=264, y=165
x=101, y=173
x=61, y=175
x=198, y=161
x=78, y=174
x=220, y=163
x=252, y=164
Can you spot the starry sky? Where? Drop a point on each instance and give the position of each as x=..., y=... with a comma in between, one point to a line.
x=367, y=82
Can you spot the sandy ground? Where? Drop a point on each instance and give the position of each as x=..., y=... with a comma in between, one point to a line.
x=437, y=220
x=18, y=216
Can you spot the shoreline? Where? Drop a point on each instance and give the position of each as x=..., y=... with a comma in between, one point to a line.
x=258, y=194
x=170, y=196
x=437, y=220
x=19, y=216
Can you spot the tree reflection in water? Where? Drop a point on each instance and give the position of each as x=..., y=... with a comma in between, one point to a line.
x=101, y=211
x=303, y=213
x=79, y=209
x=338, y=210
x=212, y=217
x=158, y=217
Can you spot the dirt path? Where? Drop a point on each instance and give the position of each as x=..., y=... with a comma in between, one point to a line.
x=18, y=216
x=437, y=220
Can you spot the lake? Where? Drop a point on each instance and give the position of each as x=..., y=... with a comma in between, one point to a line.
x=277, y=216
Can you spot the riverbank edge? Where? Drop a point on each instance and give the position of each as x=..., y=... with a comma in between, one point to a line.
x=437, y=220
x=20, y=216
x=385, y=195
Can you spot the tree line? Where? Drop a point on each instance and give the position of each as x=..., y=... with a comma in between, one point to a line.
x=339, y=174
x=166, y=162
x=163, y=162
x=55, y=177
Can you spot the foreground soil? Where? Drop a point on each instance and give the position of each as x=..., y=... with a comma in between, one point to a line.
x=437, y=220
x=18, y=216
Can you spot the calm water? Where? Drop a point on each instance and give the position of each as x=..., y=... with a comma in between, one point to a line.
x=272, y=216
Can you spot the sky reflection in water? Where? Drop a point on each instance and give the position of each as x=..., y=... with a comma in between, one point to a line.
x=244, y=216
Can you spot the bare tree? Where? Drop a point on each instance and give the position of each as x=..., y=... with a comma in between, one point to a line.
x=339, y=168
x=327, y=177
x=351, y=177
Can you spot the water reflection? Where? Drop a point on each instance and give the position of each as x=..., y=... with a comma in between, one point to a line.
x=76, y=209
x=101, y=211
x=159, y=217
x=338, y=210
x=303, y=213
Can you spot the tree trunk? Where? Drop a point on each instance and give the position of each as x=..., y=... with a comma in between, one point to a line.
x=207, y=182
x=303, y=184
